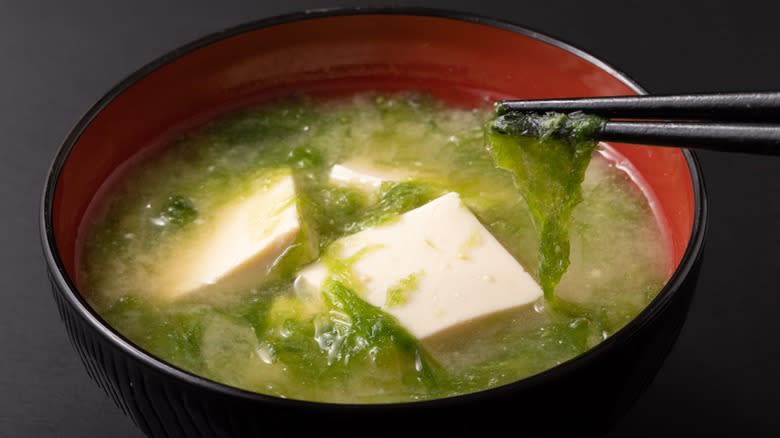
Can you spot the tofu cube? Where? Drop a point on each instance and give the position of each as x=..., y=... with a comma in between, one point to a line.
x=242, y=241
x=436, y=269
x=364, y=176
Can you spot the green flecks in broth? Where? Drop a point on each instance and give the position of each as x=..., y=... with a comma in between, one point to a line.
x=178, y=211
x=336, y=347
x=399, y=293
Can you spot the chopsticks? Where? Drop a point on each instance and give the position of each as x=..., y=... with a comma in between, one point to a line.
x=728, y=122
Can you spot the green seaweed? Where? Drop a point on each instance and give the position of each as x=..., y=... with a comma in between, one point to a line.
x=348, y=336
x=529, y=353
x=547, y=156
x=304, y=157
x=372, y=331
x=170, y=332
x=399, y=197
x=178, y=210
x=333, y=211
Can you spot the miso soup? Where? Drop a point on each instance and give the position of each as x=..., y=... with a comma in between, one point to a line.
x=361, y=250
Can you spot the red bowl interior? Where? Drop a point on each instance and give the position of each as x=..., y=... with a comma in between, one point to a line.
x=466, y=63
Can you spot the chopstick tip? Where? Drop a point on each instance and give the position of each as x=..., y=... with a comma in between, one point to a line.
x=501, y=107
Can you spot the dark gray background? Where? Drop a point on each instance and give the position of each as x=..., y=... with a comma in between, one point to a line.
x=723, y=376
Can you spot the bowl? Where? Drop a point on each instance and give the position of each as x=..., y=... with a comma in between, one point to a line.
x=463, y=59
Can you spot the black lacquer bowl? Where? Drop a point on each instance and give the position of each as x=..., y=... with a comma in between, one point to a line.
x=459, y=58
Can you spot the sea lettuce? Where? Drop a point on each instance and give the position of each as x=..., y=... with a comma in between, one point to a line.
x=547, y=156
x=396, y=198
x=367, y=331
x=345, y=335
x=173, y=333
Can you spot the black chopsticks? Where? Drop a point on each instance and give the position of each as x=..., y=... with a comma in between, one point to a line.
x=728, y=122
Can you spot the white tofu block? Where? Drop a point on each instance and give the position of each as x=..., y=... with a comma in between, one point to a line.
x=463, y=274
x=241, y=242
x=364, y=176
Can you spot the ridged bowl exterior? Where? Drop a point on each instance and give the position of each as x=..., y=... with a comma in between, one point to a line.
x=585, y=400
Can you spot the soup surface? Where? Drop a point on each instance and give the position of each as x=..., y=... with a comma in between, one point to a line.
x=334, y=345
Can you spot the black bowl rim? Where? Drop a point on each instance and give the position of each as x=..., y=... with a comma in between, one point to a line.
x=66, y=287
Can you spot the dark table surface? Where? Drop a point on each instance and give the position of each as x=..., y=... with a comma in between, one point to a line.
x=723, y=376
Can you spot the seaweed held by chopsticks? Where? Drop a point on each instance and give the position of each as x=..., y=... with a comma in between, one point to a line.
x=547, y=155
